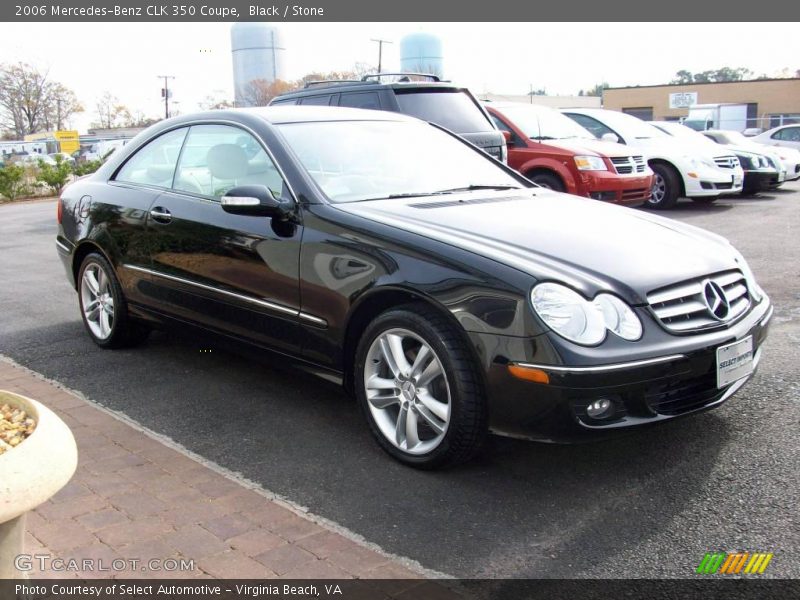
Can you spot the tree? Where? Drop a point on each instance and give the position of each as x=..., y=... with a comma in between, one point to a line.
x=539, y=92
x=259, y=92
x=597, y=90
x=723, y=74
x=30, y=102
x=215, y=101
x=55, y=176
x=110, y=112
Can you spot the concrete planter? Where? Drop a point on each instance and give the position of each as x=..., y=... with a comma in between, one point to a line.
x=30, y=474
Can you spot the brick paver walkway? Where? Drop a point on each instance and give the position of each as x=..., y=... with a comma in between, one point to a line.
x=133, y=497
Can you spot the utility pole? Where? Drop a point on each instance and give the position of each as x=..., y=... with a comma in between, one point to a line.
x=165, y=93
x=531, y=94
x=380, y=43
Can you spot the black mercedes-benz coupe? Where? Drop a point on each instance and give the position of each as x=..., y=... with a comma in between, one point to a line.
x=452, y=296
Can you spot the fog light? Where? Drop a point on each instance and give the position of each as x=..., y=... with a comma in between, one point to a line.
x=600, y=408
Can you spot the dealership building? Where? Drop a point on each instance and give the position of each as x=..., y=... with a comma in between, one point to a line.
x=770, y=102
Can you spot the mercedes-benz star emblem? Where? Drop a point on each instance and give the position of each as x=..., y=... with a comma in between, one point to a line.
x=716, y=301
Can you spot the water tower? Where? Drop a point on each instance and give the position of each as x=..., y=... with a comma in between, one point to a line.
x=258, y=52
x=421, y=53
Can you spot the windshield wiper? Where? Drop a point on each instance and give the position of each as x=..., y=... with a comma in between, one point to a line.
x=474, y=186
x=539, y=138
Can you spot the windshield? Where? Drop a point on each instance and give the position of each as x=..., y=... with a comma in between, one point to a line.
x=683, y=132
x=451, y=109
x=542, y=123
x=363, y=160
x=734, y=137
x=629, y=127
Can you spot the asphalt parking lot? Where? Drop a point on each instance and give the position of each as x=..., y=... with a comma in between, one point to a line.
x=646, y=505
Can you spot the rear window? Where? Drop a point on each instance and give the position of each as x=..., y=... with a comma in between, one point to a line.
x=454, y=110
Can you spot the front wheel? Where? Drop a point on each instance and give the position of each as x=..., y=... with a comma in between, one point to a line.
x=419, y=389
x=546, y=180
x=103, y=307
x=666, y=187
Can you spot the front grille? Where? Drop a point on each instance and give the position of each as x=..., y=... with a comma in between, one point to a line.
x=625, y=165
x=684, y=396
x=723, y=186
x=682, y=308
x=726, y=162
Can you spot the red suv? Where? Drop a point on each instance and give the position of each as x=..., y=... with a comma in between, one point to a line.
x=555, y=152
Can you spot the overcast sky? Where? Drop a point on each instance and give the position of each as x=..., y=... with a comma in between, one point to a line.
x=505, y=58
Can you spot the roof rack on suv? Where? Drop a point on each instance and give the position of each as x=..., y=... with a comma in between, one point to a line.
x=379, y=75
x=330, y=81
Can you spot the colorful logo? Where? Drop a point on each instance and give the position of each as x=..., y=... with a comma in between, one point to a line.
x=733, y=564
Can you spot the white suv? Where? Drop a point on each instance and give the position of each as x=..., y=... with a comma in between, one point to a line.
x=681, y=169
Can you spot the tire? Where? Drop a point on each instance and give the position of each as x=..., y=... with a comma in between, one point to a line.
x=546, y=180
x=666, y=187
x=442, y=397
x=103, y=307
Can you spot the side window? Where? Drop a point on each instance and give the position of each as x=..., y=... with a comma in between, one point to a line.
x=154, y=164
x=501, y=124
x=361, y=100
x=779, y=135
x=592, y=124
x=323, y=100
x=217, y=158
x=287, y=101
x=790, y=134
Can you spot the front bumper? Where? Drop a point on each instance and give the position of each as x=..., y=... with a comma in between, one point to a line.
x=612, y=187
x=756, y=181
x=713, y=182
x=677, y=382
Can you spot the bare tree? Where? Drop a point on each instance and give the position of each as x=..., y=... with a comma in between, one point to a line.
x=111, y=112
x=30, y=102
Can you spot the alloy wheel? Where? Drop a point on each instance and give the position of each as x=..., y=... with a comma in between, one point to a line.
x=97, y=301
x=407, y=391
x=659, y=190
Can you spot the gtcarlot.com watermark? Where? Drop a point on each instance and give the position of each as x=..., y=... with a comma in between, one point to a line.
x=46, y=562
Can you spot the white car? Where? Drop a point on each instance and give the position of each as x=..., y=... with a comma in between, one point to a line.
x=681, y=169
x=786, y=136
x=788, y=159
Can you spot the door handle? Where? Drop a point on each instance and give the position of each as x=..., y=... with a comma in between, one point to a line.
x=161, y=214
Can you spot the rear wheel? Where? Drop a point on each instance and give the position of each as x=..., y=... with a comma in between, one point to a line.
x=546, y=180
x=103, y=307
x=666, y=187
x=419, y=388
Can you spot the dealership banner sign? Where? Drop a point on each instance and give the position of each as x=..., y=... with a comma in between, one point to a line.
x=369, y=10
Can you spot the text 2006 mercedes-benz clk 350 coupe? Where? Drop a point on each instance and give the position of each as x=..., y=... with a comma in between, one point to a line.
x=451, y=295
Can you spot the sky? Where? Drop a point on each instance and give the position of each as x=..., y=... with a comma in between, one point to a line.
x=503, y=58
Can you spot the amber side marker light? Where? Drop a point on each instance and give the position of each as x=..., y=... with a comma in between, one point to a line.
x=529, y=374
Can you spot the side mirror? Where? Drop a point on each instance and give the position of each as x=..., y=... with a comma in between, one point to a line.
x=507, y=136
x=610, y=137
x=257, y=201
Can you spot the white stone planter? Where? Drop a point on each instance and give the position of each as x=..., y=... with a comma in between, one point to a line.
x=30, y=474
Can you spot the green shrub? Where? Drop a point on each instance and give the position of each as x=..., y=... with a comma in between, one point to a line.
x=55, y=176
x=12, y=181
x=87, y=167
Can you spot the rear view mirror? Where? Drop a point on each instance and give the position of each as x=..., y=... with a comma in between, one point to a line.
x=257, y=201
x=610, y=137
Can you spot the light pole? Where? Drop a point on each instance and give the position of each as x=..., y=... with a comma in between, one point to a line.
x=165, y=93
x=380, y=43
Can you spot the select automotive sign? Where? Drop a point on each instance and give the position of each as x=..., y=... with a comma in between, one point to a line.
x=682, y=99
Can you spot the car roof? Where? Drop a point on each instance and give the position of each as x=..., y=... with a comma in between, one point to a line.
x=324, y=87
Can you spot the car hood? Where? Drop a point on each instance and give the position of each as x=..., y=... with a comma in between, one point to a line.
x=676, y=149
x=584, y=146
x=584, y=243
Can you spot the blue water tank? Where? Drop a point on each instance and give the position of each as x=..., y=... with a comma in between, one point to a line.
x=422, y=53
x=258, y=52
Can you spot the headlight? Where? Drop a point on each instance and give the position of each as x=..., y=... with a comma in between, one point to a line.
x=755, y=290
x=590, y=163
x=582, y=321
